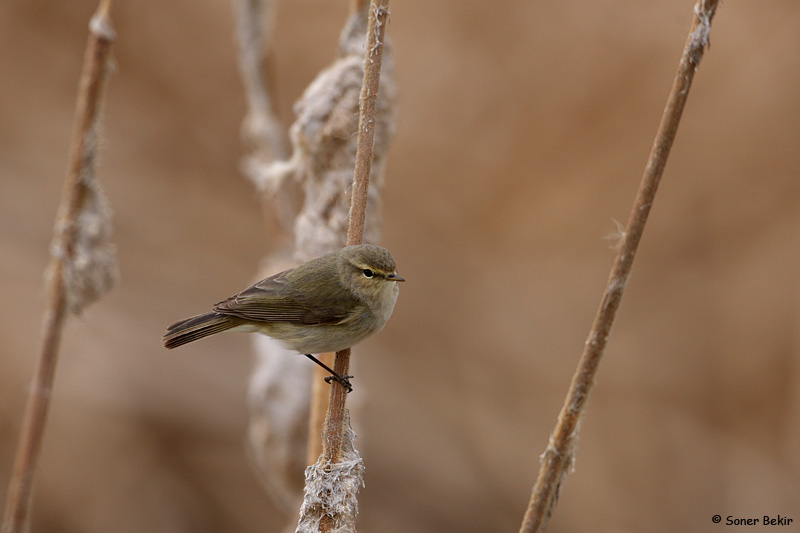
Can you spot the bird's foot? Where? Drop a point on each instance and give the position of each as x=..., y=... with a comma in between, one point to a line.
x=341, y=378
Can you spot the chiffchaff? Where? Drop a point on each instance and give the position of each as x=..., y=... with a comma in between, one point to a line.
x=331, y=303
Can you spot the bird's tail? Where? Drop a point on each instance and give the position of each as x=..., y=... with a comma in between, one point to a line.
x=197, y=327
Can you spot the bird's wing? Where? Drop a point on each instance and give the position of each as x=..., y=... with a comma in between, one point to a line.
x=273, y=300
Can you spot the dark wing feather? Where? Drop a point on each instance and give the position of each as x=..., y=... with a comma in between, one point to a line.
x=273, y=300
x=197, y=327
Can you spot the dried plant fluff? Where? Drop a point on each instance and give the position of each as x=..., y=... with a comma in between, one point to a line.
x=332, y=489
x=323, y=141
x=88, y=259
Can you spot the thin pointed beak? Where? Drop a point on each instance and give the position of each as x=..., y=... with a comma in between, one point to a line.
x=395, y=277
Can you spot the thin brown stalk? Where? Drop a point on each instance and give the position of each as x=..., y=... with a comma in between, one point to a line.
x=324, y=141
x=559, y=455
x=378, y=18
x=382, y=127
x=319, y=407
x=376, y=29
x=69, y=289
x=373, y=58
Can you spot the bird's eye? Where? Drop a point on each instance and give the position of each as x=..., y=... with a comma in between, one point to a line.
x=368, y=273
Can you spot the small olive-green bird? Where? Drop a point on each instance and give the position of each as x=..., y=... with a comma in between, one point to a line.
x=331, y=303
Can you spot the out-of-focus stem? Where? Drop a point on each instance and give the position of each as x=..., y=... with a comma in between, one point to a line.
x=77, y=188
x=558, y=456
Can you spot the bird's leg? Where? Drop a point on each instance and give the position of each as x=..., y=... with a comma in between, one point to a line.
x=335, y=376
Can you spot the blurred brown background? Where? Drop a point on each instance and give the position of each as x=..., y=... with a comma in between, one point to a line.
x=523, y=132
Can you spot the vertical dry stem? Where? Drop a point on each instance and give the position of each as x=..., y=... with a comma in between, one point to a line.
x=334, y=438
x=558, y=456
x=320, y=392
x=373, y=57
x=324, y=140
x=379, y=16
x=81, y=264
